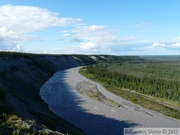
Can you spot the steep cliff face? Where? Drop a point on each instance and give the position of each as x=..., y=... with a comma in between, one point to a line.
x=21, y=77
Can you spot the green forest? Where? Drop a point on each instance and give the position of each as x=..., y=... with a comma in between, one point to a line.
x=154, y=76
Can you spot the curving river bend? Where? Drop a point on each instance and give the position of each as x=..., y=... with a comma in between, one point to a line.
x=93, y=117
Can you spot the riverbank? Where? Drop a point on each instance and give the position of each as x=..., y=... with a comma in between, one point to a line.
x=94, y=117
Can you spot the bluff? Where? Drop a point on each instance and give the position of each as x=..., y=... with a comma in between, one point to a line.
x=22, y=75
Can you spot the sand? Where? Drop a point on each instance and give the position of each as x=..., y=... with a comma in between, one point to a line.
x=93, y=117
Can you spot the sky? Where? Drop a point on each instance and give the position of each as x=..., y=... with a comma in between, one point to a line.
x=116, y=27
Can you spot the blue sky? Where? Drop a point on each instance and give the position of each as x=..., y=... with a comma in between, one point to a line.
x=118, y=27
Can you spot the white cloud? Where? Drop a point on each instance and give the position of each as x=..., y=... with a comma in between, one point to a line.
x=8, y=39
x=23, y=19
x=95, y=38
x=10, y=35
x=176, y=39
x=5, y=32
x=158, y=45
x=176, y=45
x=10, y=45
x=16, y=22
x=143, y=25
x=92, y=33
x=92, y=28
x=90, y=45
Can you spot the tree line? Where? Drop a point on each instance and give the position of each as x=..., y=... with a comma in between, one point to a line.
x=154, y=86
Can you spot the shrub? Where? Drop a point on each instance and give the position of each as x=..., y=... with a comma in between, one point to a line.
x=16, y=131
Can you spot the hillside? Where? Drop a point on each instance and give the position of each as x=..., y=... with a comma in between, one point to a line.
x=22, y=75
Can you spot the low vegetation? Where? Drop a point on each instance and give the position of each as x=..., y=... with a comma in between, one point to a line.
x=15, y=125
x=145, y=102
x=44, y=124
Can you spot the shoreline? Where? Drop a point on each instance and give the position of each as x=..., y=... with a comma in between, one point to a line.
x=60, y=93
